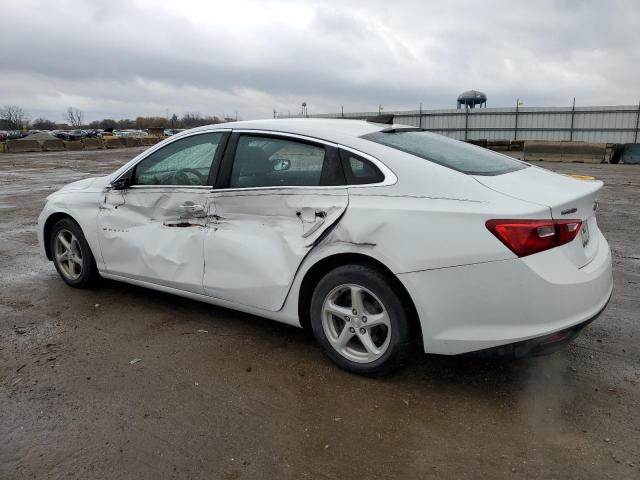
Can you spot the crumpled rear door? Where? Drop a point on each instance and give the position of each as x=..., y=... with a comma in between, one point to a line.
x=260, y=237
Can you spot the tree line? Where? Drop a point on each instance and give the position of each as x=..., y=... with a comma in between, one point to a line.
x=13, y=117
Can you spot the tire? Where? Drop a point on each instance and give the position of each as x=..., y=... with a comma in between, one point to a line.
x=374, y=341
x=617, y=153
x=76, y=264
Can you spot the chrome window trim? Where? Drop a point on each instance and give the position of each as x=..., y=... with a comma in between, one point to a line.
x=390, y=178
x=155, y=187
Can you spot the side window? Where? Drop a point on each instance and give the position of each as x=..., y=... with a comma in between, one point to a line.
x=359, y=170
x=184, y=162
x=271, y=162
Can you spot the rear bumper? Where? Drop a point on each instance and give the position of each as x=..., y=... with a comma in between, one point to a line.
x=544, y=345
x=508, y=303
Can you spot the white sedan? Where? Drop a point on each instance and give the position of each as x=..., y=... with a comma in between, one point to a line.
x=379, y=237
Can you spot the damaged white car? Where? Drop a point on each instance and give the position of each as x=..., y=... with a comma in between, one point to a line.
x=378, y=236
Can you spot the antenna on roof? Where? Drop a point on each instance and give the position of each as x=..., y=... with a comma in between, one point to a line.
x=386, y=119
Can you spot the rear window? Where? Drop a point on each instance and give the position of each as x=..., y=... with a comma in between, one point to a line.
x=447, y=152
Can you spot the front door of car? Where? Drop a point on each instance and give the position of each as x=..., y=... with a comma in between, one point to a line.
x=274, y=199
x=151, y=227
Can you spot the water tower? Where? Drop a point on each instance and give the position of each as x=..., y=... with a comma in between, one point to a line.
x=472, y=98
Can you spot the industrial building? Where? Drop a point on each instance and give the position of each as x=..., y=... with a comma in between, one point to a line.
x=601, y=124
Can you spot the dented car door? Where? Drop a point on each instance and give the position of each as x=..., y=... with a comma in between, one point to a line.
x=153, y=229
x=278, y=198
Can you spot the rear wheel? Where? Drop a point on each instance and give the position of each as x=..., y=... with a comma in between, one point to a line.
x=360, y=320
x=71, y=254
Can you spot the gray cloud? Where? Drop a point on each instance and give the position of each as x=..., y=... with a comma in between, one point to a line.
x=125, y=58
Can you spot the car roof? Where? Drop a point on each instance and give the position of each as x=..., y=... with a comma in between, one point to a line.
x=330, y=129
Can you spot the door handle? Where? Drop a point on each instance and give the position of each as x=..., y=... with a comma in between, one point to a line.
x=318, y=214
x=312, y=220
x=192, y=207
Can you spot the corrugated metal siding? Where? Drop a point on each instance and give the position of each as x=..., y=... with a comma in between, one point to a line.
x=608, y=124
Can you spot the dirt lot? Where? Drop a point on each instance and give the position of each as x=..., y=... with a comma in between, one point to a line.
x=220, y=394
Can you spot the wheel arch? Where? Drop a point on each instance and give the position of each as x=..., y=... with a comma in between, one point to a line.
x=48, y=227
x=323, y=266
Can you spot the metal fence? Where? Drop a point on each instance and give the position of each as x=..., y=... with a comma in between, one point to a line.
x=611, y=124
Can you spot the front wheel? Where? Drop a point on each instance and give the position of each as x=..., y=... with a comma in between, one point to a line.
x=71, y=254
x=359, y=319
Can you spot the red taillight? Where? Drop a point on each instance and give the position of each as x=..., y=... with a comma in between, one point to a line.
x=525, y=237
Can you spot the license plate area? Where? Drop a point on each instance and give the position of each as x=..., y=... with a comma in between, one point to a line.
x=584, y=233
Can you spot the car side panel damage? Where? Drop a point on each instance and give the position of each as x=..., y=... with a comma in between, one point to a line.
x=155, y=234
x=261, y=238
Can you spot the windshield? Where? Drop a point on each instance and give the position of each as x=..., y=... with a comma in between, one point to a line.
x=447, y=152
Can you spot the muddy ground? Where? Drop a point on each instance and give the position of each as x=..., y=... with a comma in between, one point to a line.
x=220, y=394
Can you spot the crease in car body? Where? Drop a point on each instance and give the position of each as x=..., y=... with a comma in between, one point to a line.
x=345, y=233
x=316, y=242
x=130, y=219
x=312, y=219
x=191, y=218
x=265, y=237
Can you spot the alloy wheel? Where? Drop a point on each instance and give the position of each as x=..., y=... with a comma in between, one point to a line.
x=356, y=323
x=68, y=254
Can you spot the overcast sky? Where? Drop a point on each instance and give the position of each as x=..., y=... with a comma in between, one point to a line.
x=124, y=58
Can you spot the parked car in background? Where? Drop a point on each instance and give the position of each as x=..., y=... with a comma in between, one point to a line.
x=15, y=134
x=172, y=131
x=129, y=133
x=71, y=135
x=379, y=237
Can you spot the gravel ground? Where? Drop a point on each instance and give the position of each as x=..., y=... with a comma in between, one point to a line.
x=221, y=394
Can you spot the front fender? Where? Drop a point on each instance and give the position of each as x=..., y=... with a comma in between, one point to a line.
x=82, y=207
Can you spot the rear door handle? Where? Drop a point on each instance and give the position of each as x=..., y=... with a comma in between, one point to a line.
x=318, y=214
x=192, y=207
x=312, y=220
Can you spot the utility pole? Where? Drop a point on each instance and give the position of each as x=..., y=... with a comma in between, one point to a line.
x=420, y=116
x=466, y=122
x=515, y=127
x=573, y=112
x=635, y=138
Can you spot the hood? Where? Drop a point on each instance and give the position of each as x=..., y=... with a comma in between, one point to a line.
x=91, y=184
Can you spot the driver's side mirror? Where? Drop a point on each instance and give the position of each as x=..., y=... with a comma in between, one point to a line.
x=121, y=183
x=281, y=164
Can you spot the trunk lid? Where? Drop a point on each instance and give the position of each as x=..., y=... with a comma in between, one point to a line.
x=567, y=198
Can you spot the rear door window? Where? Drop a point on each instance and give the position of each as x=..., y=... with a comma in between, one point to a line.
x=264, y=161
x=447, y=152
